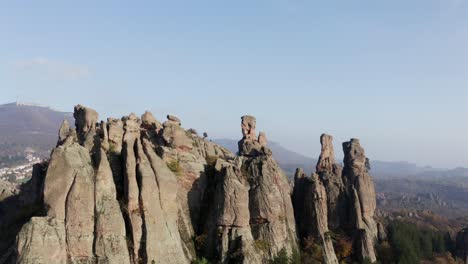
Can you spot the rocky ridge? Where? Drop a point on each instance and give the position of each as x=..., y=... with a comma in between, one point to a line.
x=135, y=190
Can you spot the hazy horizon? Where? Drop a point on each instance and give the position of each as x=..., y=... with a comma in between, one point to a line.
x=393, y=74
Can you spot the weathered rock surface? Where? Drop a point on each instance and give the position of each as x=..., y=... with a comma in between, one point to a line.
x=115, y=134
x=250, y=145
x=174, y=135
x=227, y=233
x=248, y=127
x=262, y=139
x=330, y=174
x=345, y=196
x=361, y=192
x=42, y=241
x=149, y=122
x=85, y=123
x=253, y=218
x=311, y=212
x=110, y=233
x=64, y=131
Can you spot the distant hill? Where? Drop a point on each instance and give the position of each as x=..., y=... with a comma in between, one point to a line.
x=290, y=160
x=32, y=126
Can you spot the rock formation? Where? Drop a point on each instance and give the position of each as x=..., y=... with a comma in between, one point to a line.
x=311, y=212
x=63, y=132
x=362, y=199
x=330, y=174
x=337, y=199
x=248, y=126
x=85, y=123
x=108, y=198
x=254, y=218
x=133, y=190
x=250, y=145
x=271, y=211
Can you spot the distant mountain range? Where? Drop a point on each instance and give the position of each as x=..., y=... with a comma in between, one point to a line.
x=33, y=126
x=25, y=125
x=290, y=160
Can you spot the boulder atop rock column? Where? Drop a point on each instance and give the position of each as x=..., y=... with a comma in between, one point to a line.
x=248, y=127
x=174, y=119
x=85, y=121
x=250, y=145
x=326, y=161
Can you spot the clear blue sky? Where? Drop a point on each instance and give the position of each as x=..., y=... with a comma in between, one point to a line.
x=393, y=73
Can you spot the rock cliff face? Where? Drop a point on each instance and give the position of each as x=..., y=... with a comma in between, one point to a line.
x=135, y=190
x=362, y=199
x=253, y=220
x=311, y=208
x=330, y=174
x=335, y=199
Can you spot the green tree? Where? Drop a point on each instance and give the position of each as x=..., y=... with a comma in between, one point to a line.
x=411, y=244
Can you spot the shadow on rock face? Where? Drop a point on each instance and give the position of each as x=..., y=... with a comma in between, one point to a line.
x=17, y=209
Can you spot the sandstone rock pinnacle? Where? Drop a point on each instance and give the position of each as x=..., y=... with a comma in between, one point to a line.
x=361, y=192
x=310, y=207
x=248, y=125
x=331, y=176
x=326, y=161
x=250, y=145
x=85, y=123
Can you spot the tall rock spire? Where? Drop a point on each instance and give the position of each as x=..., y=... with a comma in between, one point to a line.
x=311, y=212
x=326, y=161
x=85, y=123
x=253, y=197
x=330, y=175
x=337, y=199
x=250, y=144
x=361, y=192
